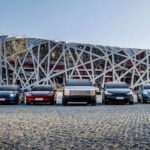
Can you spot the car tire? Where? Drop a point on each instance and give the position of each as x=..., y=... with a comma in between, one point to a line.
x=143, y=100
x=28, y=103
x=138, y=99
x=105, y=103
x=93, y=101
x=131, y=103
x=53, y=103
x=64, y=102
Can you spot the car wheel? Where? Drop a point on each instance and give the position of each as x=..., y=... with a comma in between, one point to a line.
x=28, y=103
x=131, y=103
x=143, y=100
x=53, y=103
x=105, y=102
x=64, y=102
x=138, y=99
x=93, y=101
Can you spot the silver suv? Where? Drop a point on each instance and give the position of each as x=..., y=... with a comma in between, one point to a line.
x=79, y=90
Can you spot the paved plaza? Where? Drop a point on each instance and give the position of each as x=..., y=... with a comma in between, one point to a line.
x=75, y=127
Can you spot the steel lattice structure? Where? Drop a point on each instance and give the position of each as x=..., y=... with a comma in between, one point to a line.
x=30, y=61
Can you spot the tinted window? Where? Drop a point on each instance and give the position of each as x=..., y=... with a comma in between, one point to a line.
x=78, y=83
x=146, y=86
x=116, y=85
x=41, y=88
x=9, y=88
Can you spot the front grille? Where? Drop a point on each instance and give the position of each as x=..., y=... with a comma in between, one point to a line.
x=4, y=96
x=119, y=94
x=82, y=93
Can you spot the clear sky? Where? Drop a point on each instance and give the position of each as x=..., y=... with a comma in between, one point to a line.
x=124, y=23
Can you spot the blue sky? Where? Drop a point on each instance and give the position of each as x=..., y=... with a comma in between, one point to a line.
x=124, y=23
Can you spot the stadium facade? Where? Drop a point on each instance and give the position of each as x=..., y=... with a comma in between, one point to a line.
x=30, y=61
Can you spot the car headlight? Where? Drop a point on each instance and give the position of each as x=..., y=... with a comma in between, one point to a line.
x=66, y=92
x=51, y=93
x=129, y=93
x=108, y=93
x=12, y=95
x=28, y=94
x=145, y=92
x=92, y=93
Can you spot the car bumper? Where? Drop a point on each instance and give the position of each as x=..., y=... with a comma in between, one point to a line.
x=114, y=98
x=9, y=100
x=40, y=99
x=78, y=98
x=146, y=97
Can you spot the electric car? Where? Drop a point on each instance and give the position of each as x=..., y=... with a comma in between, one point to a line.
x=41, y=94
x=79, y=90
x=143, y=94
x=117, y=92
x=9, y=94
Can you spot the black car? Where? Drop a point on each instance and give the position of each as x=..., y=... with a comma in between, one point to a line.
x=9, y=94
x=117, y=92
x=143, y=94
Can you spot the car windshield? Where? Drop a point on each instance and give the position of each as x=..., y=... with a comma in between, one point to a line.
x=41, y=88
x=9, y=88
x=146, y=87
x=117, y=85
x=78, y=83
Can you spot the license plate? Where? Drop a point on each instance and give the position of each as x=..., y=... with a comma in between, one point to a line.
x=39, y=99
x=119, y=98
x=2, y=99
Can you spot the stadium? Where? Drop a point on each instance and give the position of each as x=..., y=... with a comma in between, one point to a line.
x=30, y=61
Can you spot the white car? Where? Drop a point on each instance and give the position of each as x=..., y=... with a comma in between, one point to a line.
x=79, y=90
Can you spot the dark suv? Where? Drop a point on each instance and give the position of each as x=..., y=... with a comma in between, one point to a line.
x=117, y=92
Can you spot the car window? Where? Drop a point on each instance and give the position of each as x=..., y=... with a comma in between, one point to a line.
x=9, y=88
x=116, y=85
x=41, y=88
x=78, y=83
x=146, y=87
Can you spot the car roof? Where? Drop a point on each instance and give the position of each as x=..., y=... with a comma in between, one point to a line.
x=14, y=86
x=145, y=84
x=42, y=85
x=116, y=83
x=77, y=80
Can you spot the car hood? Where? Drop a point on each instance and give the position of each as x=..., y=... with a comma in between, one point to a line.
x=79, y=88
x=118, y=91
x=147, y=91
x=39, y=92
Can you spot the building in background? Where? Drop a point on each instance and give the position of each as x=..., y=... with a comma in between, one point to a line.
x=31, y=61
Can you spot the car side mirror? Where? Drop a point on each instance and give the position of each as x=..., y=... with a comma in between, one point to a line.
x=101, y=88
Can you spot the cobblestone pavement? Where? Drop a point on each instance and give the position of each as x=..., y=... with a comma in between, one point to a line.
x=75, y=127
